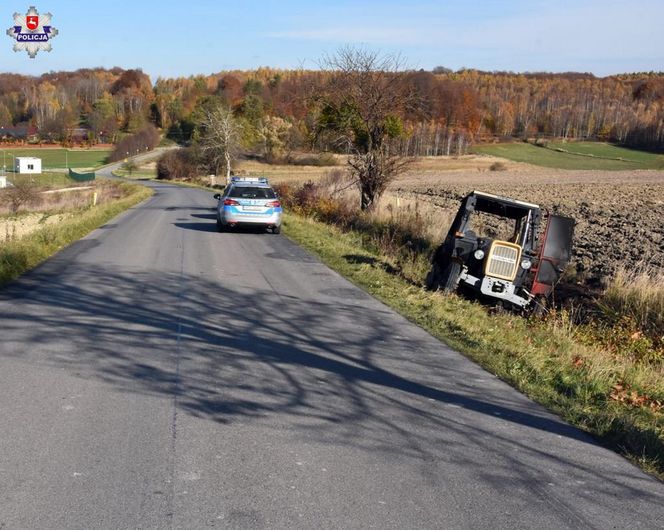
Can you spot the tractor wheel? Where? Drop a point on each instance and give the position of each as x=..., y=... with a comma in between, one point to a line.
x=540, y=307
x=445, y=279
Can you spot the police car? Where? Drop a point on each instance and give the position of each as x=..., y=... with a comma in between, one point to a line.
x=249, y=201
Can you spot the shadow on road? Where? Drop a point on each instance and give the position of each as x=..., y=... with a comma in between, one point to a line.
x=199, y=227
x=204, y=215
x=325, y=367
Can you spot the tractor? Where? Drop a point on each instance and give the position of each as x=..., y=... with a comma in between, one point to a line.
x=504, y=251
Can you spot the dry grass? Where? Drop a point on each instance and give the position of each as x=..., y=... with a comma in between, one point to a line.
x=393, y=207
x=13, y=228
x=52, y=207
x=280, y=174
x=422, y=167
x=46, y=202
x=640, y=296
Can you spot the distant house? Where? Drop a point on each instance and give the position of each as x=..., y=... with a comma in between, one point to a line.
x=28, y=165
x=19, y=132
x=79, y=135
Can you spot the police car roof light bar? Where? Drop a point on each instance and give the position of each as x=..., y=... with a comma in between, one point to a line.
x=262, y=180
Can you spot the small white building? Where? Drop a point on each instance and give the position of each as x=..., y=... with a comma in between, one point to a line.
x=28, y=165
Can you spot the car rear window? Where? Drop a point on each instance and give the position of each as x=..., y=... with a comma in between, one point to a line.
x=247, y=192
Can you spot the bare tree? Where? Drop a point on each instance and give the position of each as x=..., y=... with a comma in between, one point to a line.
x=22, y=193
x=366, y=97
x=220, y=139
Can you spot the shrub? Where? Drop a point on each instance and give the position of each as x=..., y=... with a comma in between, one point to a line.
x=177, y=165
x=402, y=236
x=130, y=166
x=498, y=166
x=285, y=193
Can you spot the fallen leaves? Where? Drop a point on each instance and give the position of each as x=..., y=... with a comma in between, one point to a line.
x=578, y=362
x=623, y=393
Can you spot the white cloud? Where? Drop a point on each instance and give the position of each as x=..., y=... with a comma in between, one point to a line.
x=571, y=33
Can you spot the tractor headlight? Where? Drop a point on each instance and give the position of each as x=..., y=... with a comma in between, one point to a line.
x=479, y=254
x=526, y=264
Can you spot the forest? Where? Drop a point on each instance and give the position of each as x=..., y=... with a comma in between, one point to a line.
x=279, y=111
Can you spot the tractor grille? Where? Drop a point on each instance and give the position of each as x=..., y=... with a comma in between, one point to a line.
x=503, y=260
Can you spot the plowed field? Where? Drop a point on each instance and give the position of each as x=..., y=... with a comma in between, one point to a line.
x=620, y=215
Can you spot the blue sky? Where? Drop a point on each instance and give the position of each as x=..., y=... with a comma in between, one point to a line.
x=168, y=38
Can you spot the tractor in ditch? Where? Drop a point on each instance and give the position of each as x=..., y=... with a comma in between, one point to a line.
x=503, y=250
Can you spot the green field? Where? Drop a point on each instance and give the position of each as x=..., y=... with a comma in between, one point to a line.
x=578, y=155
x=57, y=157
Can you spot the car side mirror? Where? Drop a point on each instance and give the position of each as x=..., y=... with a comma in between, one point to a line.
x=217, y=196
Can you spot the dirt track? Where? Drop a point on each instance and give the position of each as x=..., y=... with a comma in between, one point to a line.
x=620, y=215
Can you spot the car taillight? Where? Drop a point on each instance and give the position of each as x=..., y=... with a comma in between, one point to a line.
x=231, y=202
x=273, y=204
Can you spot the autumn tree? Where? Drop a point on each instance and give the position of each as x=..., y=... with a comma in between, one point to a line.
x=132, y=93
x=230, y=88
x=5, y=116
x=274, y=135
x=363, y=102
x=102, y=119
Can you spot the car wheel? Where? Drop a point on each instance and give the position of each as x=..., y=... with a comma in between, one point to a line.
x=220, y=226
x=276, y=229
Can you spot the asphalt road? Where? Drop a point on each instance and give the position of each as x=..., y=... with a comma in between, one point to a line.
x=158, y=374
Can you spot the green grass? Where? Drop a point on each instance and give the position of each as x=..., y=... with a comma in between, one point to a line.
x=44, y=179
x=579, y=155
x=17, y=257
x=55, y=157
x=542, y=359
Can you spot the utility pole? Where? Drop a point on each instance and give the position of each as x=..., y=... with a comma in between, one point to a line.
x=4, y=164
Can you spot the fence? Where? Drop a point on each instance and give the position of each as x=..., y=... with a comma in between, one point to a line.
x=81, y=177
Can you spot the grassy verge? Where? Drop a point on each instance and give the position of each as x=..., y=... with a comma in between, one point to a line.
x=139, y=174
x=614, y=399
x=17, y=257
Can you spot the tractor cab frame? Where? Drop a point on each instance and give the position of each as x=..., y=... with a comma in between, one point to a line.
x=517, y=264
